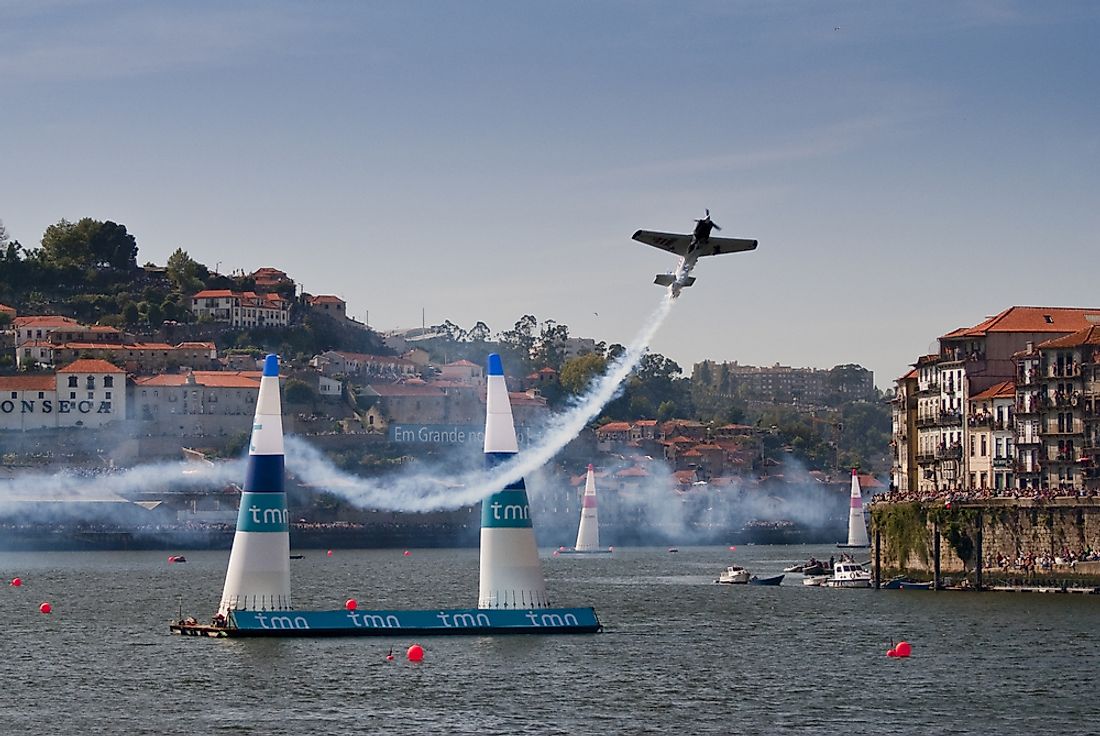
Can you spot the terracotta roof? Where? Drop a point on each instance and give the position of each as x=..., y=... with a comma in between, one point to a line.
x=115, y=346
x=403, y=389
x=997, y=390
x=28, y=383
x=464, y=363
x=7, y=309
x=45, y=320
x=646, y=423
x=522, y=398
x=1087, y=336
x=214, y=294
x=88, y=365
x=107, y=329
x=206, y=379
x=1030, y=319
x=202, y=345
x=634, y=472
x=326, y=299
x=613, y=427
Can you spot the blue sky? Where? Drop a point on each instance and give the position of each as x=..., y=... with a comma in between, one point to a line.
x=907, y=167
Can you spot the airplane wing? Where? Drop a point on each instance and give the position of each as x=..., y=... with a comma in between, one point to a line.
x=678, y=243
x=672, y=242
x=718, y=246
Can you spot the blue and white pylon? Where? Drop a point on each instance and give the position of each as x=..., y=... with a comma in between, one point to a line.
x=258, y=577
x=511, y=574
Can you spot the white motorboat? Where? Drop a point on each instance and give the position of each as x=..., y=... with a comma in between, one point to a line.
x=849, y=575
x=734, y=575
x=815, y=580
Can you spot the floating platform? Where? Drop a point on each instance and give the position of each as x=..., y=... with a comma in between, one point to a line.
x=583, y=553
x=447, y=622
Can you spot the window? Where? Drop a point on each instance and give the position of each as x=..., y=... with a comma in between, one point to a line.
x=91, y=381
x=91, y=394
x=72, y=394
x=985, y=448
x=72, y=381
x=108, y=381
x=108, y=395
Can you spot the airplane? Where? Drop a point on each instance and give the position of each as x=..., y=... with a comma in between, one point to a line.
x=690, y=248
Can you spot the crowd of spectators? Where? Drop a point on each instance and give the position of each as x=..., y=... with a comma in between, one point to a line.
x=950, y=495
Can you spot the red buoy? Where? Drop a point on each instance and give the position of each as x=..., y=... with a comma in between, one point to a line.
x=407, y=553
x=351, y=604
x=330, y=553
x=891, y=652
x=415, y=653
x=45, y=608
x=16, y=582
x=903, y=649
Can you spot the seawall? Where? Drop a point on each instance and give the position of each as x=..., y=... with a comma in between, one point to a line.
x=989, y=541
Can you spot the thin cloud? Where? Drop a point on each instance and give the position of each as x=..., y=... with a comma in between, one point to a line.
x=76, y=41
x=831, y=141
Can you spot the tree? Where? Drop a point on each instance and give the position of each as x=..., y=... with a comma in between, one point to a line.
x=130, y=313
x=183, y=272
x=154, y=314
x=479, y=333
x=577, y=373
x=89, y=243
x=299, y=392
x=112, y=246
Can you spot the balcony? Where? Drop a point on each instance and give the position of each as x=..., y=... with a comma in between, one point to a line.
x=1002, y=462
x=927, y=421
x=949, y=418
x=924, y=458
x=954, y=452
x=1028, y=439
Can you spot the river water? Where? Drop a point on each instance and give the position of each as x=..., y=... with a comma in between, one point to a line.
x=679, y=655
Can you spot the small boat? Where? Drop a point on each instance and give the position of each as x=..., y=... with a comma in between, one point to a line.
x=296, y=557
x=795, y=568
x=815, y=580
x=814, y=568
x=903, y=583
x=773, y=580
x=177, y=558
x=673, y=549
x=848, y=575
x=733, y=575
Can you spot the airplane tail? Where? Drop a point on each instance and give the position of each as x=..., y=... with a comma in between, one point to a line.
x=667, y=279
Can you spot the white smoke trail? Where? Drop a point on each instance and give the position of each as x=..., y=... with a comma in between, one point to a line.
x=449, y=488
x=429, y=492
x=27, y=492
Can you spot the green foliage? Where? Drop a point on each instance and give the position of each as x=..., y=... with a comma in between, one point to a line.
x=89, y=243
x=299, y=392
x=957, y=527
x=903, y=530
x=577, y=373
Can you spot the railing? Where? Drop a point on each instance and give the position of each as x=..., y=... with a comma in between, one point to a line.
x=1002, y=462
x=954, y=452
x=1028, y=439
x=925, y=457
x=926, y=421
